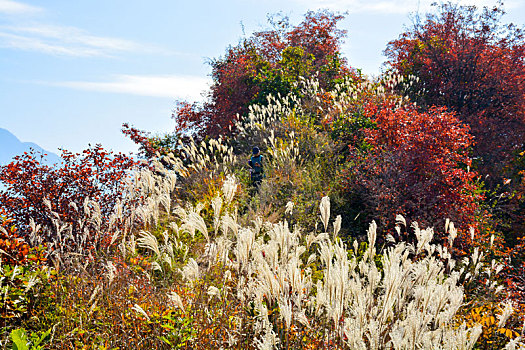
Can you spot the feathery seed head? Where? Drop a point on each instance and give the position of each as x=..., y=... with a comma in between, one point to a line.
x=325, y=211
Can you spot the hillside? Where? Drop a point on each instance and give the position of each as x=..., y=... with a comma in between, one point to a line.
x=303, y=206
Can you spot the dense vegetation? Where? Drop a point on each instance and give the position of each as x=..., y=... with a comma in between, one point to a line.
x=391, y=215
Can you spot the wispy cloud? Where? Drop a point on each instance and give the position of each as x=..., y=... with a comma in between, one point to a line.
x=172, y=86
x=17, y=8
x=34, y=34
x=391, y=6
x=61, y=40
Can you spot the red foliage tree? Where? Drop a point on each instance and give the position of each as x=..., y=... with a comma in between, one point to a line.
x=266, y=63
x=318, y=35
x=233, y=89
x=469, y=62
x=95, y=174
x=417, y=166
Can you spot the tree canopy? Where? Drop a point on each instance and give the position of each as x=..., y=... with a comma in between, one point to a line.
x=268, y=62
x=472, y=63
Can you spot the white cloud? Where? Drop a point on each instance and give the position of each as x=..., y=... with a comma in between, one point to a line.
x=31, y=33
x=61, y=40
x=172, y=86
x=17, y=8
x=392, y=6
x=8, y=40
x=72, y=35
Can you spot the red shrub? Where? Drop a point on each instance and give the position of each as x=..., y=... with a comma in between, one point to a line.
x=95, y=174
x=417, y=166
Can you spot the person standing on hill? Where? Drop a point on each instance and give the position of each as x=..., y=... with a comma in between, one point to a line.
x=256, y=165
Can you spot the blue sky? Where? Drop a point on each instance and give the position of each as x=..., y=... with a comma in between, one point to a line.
x=71, y=72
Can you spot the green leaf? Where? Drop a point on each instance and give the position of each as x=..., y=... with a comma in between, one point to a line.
x=39, y=338
x=20, y=341
x=164, y=339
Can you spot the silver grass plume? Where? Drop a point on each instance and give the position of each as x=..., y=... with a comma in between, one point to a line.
x=176, y=300
x=289, y=208
x=452, y=232
x=190, y=272
x=213, y=291
x=149, y=241
x=337, y=225
x=191, y=220
x=424, y=237
x=111, y=270
x=140, y=310
x=372, y=235
x=325, y=211
x=400, y=219
x=504, y=316
x=515, y=344
x=216, y=204
x=229, y=188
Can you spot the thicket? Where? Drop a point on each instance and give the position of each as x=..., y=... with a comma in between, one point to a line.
x=374, y=227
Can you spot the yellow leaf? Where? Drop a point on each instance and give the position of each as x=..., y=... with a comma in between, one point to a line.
x=509, y=333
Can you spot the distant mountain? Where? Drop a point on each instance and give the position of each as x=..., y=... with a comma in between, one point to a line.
x=11, y=146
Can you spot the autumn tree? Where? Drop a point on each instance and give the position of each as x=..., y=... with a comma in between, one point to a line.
x=35, y=190
x=470, y=62
x=416, y=164
x=268, y=62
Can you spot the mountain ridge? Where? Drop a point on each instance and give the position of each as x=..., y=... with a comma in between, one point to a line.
x=11, y=146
